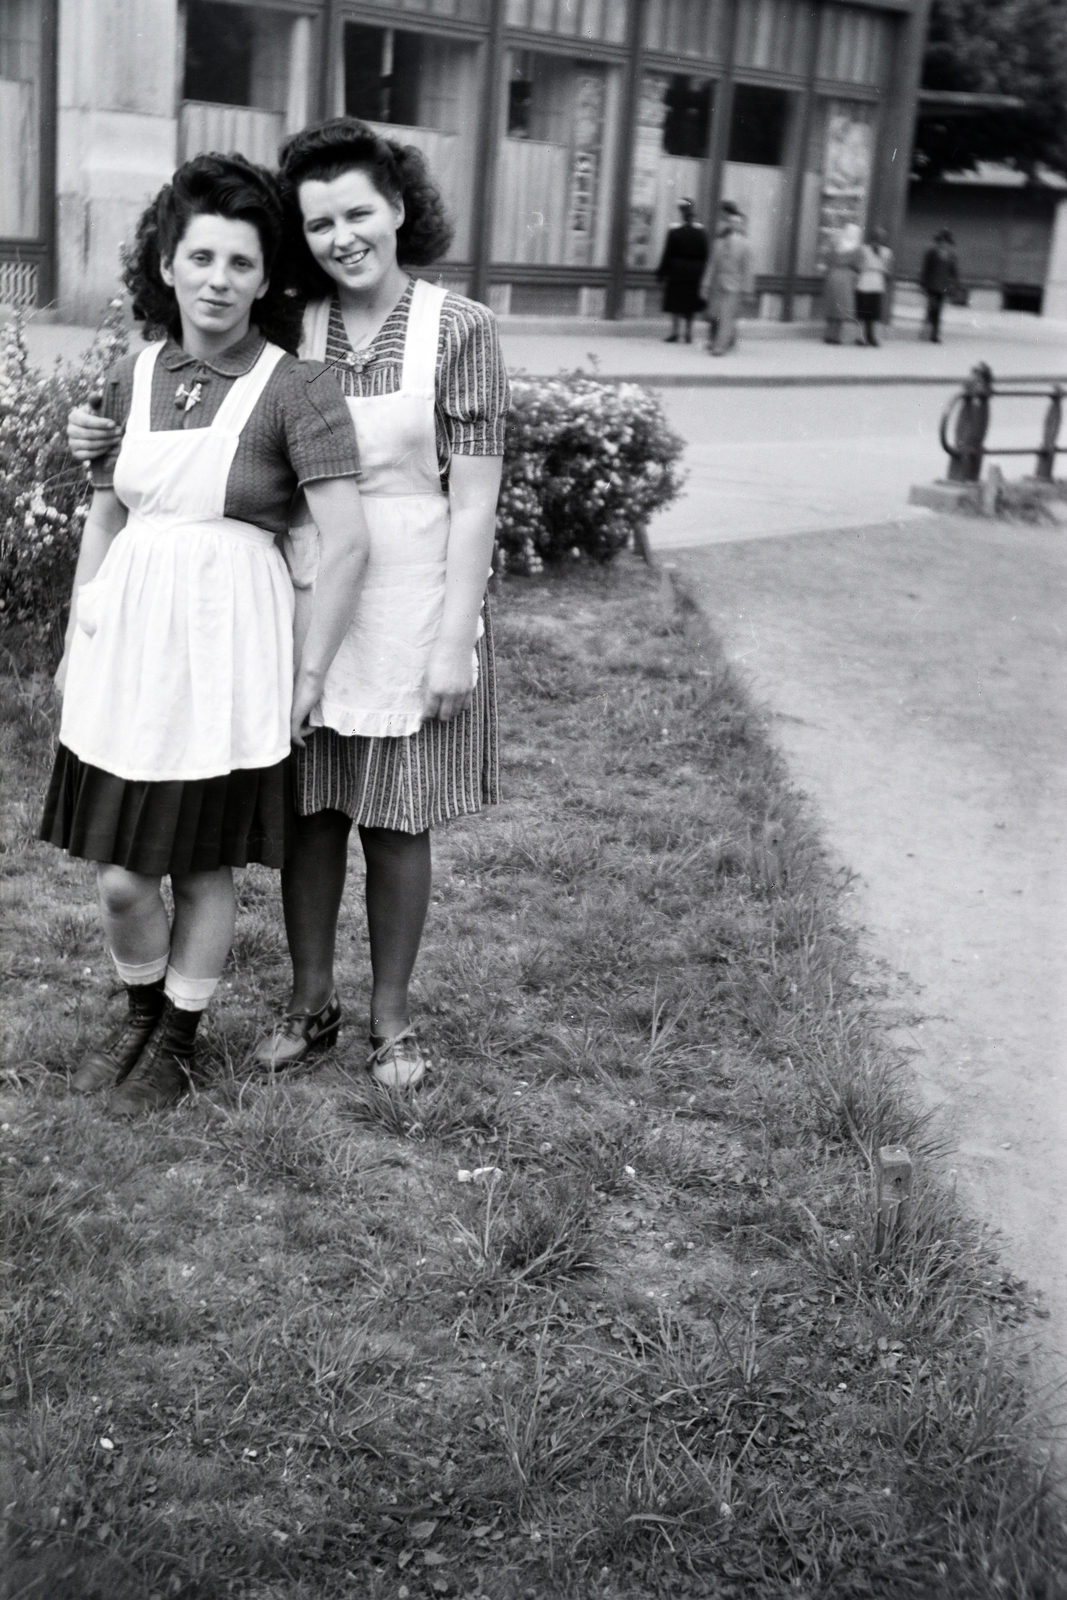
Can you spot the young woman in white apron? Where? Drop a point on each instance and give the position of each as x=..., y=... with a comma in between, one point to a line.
x=405, y=734
x=407, y=728
x=179, y=703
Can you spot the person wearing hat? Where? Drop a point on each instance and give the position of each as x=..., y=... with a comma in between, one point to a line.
x=939, y=278
x=680, y=270
x=729, y=275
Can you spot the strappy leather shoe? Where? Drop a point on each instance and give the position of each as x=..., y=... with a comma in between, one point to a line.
x=397, y=1063
x=299, y=1033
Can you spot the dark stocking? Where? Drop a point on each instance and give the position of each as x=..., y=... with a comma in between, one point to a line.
x=398, y=895
x=313, y=881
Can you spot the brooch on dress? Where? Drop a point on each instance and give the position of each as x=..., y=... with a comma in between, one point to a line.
x=186, y=399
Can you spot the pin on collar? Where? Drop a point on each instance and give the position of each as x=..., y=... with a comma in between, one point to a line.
x=185, y=399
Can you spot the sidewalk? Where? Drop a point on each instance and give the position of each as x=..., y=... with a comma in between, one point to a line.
x=777, y=354
x=771, y=354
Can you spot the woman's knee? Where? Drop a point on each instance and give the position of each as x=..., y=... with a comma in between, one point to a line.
x=199, y=888
x=391, y=842
x=122, y=892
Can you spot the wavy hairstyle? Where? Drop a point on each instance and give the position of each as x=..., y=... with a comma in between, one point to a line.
x=223, y=186
x=397, y=171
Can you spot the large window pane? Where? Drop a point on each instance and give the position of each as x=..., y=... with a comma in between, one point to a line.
x=554, y=173
x=670, y=158
x=246, y=80
x=422, y=90
x=755, y=175
x=20, y=118
x=837, y=176
x=575, y=19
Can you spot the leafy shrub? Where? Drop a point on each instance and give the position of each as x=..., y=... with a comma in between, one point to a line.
x=43, y=490
x=585, y=466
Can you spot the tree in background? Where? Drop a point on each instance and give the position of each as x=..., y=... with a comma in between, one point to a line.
x=1013, y=47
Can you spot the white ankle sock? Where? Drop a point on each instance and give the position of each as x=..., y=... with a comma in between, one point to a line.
x=188, y=994
x=147, y=972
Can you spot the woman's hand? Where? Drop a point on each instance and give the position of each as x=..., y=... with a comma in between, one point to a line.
x=90, y=435
x=60, y=679
x=449, y=680
x=307, y=692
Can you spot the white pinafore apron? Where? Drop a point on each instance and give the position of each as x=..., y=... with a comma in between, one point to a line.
x=376, y=685
x=181, y=664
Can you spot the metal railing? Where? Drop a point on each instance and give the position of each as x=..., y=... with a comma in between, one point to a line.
x=971, y=410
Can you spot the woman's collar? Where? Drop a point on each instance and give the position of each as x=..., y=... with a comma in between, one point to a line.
x=233, y=362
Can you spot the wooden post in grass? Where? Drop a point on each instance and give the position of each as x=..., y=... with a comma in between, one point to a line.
x=892, y=1166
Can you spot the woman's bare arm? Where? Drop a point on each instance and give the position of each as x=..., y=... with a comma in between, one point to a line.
x=106, y=519
x=344, y=545
x=473, y=488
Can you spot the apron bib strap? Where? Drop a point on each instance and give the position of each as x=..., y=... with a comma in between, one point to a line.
x=423, y=333
x=140, y=417
x=313, y=333
x=244, y=396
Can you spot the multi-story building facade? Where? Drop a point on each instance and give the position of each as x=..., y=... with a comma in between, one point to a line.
x=563, y=132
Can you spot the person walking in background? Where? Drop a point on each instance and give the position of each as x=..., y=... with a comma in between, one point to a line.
x=939, y=278
x=839, y=290
x=680, y=270
x=872, y=285
x=729, y=276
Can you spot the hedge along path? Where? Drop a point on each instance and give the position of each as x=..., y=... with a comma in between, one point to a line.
x=598, y=1312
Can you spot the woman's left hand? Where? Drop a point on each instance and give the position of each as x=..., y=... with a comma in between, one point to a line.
x=449, y=680
x=307, y=692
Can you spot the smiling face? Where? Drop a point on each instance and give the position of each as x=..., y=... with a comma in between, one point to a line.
x=217, y=275
x=350, y=228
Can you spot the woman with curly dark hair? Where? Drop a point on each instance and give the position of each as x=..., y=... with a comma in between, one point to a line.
x=179, y=700
x=405, y=734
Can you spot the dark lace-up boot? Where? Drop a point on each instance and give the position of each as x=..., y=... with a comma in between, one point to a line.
x=106, y=1066
x=163, y=1073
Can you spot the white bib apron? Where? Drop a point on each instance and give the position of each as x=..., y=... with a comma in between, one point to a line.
x=376, y=685
x=181, y=663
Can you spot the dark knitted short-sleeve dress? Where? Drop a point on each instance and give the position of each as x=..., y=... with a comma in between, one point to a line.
x=445, y=769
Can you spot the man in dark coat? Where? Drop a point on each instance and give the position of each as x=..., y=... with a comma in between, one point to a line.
x=680, y=270
x=940, y=277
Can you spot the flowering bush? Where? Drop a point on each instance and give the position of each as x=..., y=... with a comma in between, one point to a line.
x=43, y=491
x=585, y=466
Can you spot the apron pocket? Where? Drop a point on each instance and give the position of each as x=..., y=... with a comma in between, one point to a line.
x=88, y=605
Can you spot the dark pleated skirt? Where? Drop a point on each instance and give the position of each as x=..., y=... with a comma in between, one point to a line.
x=168, y=828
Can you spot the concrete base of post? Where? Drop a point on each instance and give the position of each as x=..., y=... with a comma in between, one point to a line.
x=963, y=498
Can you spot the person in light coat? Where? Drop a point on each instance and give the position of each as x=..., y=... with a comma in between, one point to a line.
x=729, y=276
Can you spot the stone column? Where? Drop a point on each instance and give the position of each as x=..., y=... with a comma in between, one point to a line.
x=117, y=137
x=1054, y=301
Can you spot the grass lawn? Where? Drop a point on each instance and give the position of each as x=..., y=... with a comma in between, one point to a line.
x=597, y=1313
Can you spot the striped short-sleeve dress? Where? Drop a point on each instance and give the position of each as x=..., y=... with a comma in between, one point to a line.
x=444, y=769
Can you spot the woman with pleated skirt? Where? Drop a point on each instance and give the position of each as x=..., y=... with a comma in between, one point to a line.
x=179, y=698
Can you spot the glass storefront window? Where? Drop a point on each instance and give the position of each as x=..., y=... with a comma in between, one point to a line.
x=21, y=24
x=670, y=158
x=837, y=176
x=423, y=90
x=556, y=158
x=581, y=19
x=247, y=74
x=755, y=174
x=686, y=27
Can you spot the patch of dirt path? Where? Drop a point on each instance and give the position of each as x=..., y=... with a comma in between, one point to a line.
x=917, y=680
